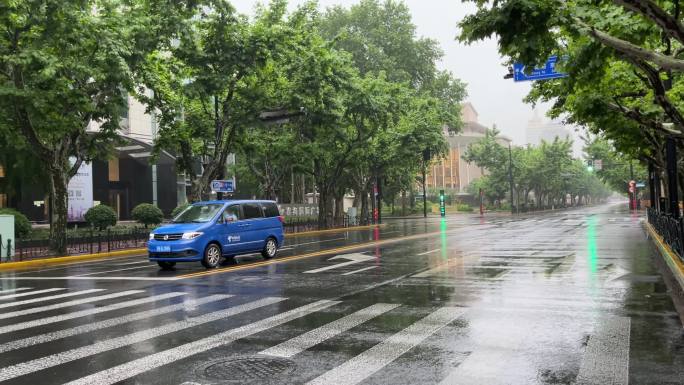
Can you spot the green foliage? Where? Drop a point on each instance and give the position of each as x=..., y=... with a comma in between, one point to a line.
x=147, y=214
x=462, y=207
x=179, y=209
x=22, y=226
x=101, y=217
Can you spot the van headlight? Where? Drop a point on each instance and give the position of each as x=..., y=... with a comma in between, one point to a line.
x=191, y=235
x=151, y=236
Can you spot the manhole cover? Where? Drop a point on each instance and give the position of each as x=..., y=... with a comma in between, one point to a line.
x=246, y=369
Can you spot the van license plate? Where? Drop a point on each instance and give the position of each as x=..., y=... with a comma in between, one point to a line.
x=163, y=249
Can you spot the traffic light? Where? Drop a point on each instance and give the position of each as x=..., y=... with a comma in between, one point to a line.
x=590, y=165
x=442, y=203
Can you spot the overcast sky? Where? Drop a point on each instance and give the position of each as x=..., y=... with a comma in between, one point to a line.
x=497, y=101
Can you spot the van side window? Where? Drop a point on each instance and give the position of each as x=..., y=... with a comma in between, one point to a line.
x=270, y=209
x=251, y=210
x=233, y=210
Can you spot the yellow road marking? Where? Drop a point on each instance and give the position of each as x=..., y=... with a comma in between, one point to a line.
x=309, y=255
x=339, y=230
x=671, y=258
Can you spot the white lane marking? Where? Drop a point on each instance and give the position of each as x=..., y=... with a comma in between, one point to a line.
x=323, y=241
x=15, y=290
x=60, y=334
x=90, y=278
x=360, y=270
x=132, y=263
x=49, y=298
x=431, y=272
x=428, y=252
x=365, y=364
x=606, y=360
x=50, y=361
x=67, y=304
x=115, y=270
x=87, y=312
x=302, y=342
x=10, y=296
x=142, y=365
x=353, y=259
x=286, y=248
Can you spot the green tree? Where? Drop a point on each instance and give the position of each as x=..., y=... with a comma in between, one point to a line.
x=207, y=88
x=65, y=67
x=147, y=214
x=101, y=217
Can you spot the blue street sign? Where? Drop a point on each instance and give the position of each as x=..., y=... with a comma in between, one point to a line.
x=548, y=72
x=224, y=186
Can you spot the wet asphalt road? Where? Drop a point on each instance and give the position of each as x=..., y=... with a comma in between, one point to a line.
x=572, y=297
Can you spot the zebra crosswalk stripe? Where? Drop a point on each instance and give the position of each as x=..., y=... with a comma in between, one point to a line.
x=60, y=334
x=40, y=309
x=142, y=365
x=41, y=363
x=14, y=290
x=17, y=295
x=365, y=364
x=87, y=312
x=49, y=298
x=300, y=343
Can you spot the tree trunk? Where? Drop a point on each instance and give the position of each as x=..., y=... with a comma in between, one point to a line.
x=339, y=208
x=403, y=203
x=325, y=207
x=59, y=182
x=364, y=207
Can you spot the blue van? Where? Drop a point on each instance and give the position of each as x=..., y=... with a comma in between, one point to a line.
x=214, y=232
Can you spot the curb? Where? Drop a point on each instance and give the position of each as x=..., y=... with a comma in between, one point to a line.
x=339, y=230
x=68, y=259
x=672, y=260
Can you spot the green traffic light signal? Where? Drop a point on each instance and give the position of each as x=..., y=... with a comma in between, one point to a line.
x=442, y=206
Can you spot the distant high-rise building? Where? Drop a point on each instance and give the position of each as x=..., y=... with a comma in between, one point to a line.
x=539, y=129
x=452, y=172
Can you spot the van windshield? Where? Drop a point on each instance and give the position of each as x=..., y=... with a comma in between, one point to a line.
x=198, y=213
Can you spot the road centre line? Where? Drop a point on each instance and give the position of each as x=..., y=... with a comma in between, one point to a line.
x=39, y=309
x=132, y=368
x=314, y=254
x=360, y=270
x=370, y=361
x=41, y=363
x=49, y=298
x=11, y=296
x=87, y=312
x=606, y=359
x=314, y=337
x=107, y=323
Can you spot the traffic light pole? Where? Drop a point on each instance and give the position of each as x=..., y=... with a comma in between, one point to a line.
x=510, y=175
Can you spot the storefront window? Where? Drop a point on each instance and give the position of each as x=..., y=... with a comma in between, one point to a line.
x=2, y=171
x=114, y=170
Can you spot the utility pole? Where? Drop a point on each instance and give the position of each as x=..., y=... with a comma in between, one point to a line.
x=426, y=159
x=510, y=175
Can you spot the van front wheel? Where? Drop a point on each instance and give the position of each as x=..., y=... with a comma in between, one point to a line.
x=212, y=256
x=270, y=249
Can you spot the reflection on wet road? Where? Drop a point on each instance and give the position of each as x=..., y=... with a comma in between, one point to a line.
x=573, y=297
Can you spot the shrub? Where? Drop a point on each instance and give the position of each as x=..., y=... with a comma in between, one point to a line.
x=179, y=209
x=464, y=208
x=22, y=226
x=101, y=217
x=147, y=214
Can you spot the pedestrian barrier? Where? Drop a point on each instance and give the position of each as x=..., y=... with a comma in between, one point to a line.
x=88, y=243
x=670, y=229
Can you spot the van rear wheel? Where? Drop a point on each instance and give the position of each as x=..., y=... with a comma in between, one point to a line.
x=166, y=265
x=270, y=249
x=212, y=256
